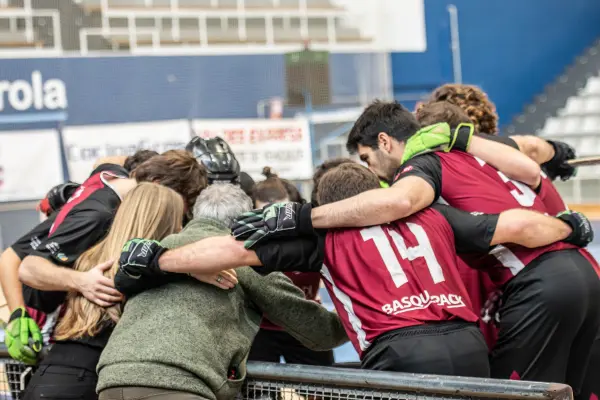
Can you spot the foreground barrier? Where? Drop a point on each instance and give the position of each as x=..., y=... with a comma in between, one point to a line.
x=288, y=381
x=268, y=381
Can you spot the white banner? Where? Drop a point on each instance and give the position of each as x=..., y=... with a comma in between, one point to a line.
x=85, y=144
x=283, y=145
x=29, y=164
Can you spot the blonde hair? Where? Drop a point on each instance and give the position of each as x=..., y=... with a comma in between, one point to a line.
x=149, y=211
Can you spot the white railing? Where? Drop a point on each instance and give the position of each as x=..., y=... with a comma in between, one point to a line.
x=27, y=13
x=132, y=35
x=240, y=13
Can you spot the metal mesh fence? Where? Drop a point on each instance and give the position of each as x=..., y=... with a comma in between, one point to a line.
x=13, y=378
x=269, y=381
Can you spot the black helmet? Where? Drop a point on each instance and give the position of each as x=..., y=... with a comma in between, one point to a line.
x=217, y=158
x=57, y=197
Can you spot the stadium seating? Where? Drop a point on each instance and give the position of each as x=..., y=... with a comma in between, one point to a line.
x=121, y=25
x=578, y=122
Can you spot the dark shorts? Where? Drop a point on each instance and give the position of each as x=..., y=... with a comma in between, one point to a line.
x=445, y=348
x=271, y=345
x=548, y=321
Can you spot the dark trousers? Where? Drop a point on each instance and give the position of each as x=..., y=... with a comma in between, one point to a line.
x=139, y=393
x=270, y=345
x=445, y=348
x=58, y=382
x=548, y=321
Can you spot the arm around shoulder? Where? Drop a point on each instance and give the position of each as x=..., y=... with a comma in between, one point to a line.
x=509, y=161
x=534, y=147
x=529, y=229
x=39, y=273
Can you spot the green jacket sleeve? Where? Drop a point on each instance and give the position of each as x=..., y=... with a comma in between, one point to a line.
x=284, y=304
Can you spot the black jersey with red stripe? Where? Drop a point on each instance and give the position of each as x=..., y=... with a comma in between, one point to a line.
x=79, y=225
x=85, y=219
x=94, y=207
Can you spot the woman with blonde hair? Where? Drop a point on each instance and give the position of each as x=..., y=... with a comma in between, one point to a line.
x=149, y=211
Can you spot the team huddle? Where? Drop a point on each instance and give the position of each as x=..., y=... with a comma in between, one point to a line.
x=451, y=254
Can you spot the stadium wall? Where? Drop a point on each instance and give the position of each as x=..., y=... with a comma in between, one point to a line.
x=511, y=48
x=149, y=88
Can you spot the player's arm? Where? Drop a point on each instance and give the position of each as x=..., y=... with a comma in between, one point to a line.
x=49, y=267
x=9, y=278
x=284, y=304
x=144, y=263
x=417, y=186
x=213, y=254
x=534, y=147
x=220, y=253
x=10, y=260
x=475, y=233
x=510, y=161
x=549, y=154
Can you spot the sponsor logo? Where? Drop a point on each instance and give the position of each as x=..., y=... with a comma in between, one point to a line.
x=53, y=247
x=476, y=213
x=289, y=211
x=36, y=94
x=62, y=257
x=35, y=242
x=421, y=302
x=406, y=169
x=145, y=249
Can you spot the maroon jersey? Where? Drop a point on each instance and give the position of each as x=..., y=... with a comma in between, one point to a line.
x=308, y=282
x=550, y=197
x=472, y=185
x=391, y=276
x=480, y=287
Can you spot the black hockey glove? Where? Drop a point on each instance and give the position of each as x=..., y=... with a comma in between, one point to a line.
x=276, y=221
x=582, y=233
x=138, y=267
x=558, y=167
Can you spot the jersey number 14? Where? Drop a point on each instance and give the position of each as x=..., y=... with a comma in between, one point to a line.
x=384, y=247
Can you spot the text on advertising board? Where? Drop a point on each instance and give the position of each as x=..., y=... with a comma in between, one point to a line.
x=21, y=95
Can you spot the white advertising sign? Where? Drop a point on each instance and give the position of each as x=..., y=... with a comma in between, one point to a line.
x=29, y=164
x=283, y=145
x=86, y=144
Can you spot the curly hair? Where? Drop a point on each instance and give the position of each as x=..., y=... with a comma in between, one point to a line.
x=473, y=101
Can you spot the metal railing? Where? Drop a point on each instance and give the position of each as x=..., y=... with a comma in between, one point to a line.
x=299, y=382
x=27, y=14
x=240, y=13
x=344, y=383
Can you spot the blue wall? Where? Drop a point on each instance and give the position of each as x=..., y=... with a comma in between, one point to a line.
x=131, y=89
x=511, y=48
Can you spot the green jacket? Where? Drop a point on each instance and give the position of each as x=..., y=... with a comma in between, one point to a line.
x=186, y=335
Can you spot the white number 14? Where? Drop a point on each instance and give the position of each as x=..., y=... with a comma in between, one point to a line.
x=384, y=247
